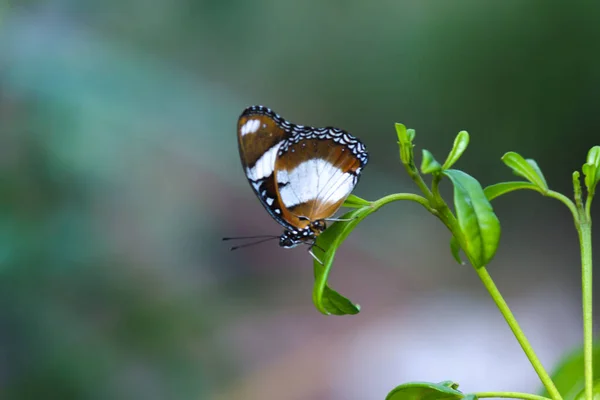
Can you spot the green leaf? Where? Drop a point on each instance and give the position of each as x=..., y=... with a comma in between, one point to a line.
x=455, y=249
x=568, y=374
x=538, y=170
x=476, y=218
x=405, y=142
x=326, y=299
x=403, y=137
x=594, y=156
x=426, y=391
x=527, y=169
x=337, y=304
x=460, y=145
x=429, y=164
x=591, y=169
x=493, y=191
x=355, y=202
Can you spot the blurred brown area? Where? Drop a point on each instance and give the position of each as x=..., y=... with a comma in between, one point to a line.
x=119, y=175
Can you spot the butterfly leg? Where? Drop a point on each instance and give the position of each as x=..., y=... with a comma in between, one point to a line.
x=340, y=219
x=314, y=244
x=314, y=256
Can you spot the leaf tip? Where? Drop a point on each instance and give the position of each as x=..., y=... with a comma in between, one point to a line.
x=461, y=142
x=400, y=130
x=429, y=164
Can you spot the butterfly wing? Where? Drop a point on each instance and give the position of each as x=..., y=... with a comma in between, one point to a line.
x=316, y=170
x=261, y=134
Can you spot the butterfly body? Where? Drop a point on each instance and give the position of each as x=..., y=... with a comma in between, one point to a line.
x=301, y=174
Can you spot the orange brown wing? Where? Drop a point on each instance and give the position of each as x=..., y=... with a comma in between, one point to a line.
x=316, y=170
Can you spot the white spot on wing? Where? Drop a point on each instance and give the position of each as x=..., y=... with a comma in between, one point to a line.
x=269, y=201
x=250, y=126
x=314, y=179
x=264, y=165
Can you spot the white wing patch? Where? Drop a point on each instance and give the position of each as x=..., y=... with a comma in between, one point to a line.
x=250, y=126
x=265, y=165
x=314, y=179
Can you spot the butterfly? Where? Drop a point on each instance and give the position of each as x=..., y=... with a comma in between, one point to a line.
x=301, y=175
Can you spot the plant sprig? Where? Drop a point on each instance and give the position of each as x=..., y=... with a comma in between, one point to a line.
x=475, y=230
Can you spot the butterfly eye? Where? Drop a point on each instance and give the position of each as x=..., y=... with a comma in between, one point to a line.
x=318, y=225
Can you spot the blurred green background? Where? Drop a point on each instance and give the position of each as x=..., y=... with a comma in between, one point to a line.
x=119, y=175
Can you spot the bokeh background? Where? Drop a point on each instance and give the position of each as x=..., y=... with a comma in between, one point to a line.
x=119, y=175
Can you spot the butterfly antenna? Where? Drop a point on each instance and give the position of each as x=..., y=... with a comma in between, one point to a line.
x=253, y=243
x=250, y=237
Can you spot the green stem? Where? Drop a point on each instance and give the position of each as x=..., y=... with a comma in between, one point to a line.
x=585, y=243
x=413, y=172
x=518, y=332
x=402, y=196
x=588, y=206
x=510, y=395
x=434, y=203
x=565, y=200
x=435, y=188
